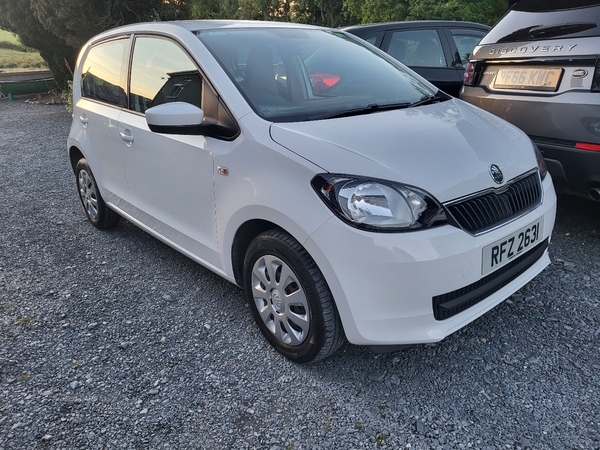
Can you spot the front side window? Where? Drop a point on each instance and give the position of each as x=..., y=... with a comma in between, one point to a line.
x=103, y=72
x=161, y=72
x=290, y=74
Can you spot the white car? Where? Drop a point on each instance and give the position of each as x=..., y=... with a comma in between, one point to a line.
x=349, y=197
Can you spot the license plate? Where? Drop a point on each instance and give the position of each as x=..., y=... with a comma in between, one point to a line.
x=501, y=252
x=531, y=78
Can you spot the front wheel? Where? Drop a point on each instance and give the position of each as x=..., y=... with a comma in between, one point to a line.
x=100, y=215
x=290, y=299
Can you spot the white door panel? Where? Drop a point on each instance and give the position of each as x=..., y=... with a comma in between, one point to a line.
x=99, y=123
x=171, y=185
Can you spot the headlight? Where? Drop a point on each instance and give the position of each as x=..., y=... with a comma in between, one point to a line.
x=541, y=163
x=378, y=205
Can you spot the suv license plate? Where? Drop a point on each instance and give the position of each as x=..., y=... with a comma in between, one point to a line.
x=533, y=79
x=501, y=252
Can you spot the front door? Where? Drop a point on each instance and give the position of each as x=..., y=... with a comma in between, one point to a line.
x=170, y=177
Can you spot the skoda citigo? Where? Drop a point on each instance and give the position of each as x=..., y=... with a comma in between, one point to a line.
x=349, y=197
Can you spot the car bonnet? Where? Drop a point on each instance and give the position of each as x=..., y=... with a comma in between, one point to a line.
x=445, y=148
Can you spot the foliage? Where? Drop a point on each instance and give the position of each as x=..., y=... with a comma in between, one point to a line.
x=14, y=55
x=336, y=13
x=17, y=16
x=19, y=60
x=67, y=95
x=58, y=28
x=482, y=11
x=374, y=11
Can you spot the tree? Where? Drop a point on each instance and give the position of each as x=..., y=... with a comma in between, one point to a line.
x=18, y=17
x=481, y=11
x=374, y=11
x=213, y=9
x=262, y=10
x=317, y=12
x=58, y=28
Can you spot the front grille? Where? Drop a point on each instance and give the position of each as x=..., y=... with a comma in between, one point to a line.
x=452, y=303
x=486, y=211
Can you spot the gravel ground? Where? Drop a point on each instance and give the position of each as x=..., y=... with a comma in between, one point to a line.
x=114, y=340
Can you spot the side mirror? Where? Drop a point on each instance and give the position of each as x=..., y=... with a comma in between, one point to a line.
x=175, y=118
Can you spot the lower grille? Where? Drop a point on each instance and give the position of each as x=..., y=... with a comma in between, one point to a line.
x=486, y=211
x=452, y=303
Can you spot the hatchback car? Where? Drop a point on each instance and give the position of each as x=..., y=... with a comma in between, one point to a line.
x=539, y=69
x=437, y=50
x=349, y=197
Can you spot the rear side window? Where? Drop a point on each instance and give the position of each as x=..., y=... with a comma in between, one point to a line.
x=374, y=38
x=418, y=48
x=104, y=72
x=534, y=20
x=161, y=72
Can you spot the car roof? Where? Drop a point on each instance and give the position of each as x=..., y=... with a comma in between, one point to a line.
x=415, y=24
x=201, y=25
x=196, y=26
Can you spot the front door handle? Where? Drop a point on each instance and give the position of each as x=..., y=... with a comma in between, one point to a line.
x=126, y=136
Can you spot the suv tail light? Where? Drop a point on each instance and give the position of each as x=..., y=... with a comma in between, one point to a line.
x=470, y=74
x=596, y=79
x=590, y=147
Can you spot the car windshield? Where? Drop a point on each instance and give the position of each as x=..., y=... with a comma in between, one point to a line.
x=294, y=74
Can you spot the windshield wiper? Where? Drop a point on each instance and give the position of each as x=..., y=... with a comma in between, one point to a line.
x=546, y=31
x=438, y=97
x=373, y=107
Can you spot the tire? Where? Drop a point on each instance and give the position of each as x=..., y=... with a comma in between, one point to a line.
x=100, y=215
x=290, y=299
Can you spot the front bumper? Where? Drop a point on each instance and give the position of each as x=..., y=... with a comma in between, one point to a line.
x=384, y=284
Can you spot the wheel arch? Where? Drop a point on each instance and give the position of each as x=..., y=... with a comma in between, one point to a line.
x=244, y=235
x=74, y=156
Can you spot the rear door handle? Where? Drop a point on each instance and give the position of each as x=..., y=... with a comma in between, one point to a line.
x=83, y=119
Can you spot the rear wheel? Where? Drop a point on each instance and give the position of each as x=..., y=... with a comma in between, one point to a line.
x=290, y=299
x=100, y=215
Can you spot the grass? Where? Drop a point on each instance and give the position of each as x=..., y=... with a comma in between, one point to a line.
x=15, y=56
x=7, y=36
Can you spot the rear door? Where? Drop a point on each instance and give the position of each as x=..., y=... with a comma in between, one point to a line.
x=103, y=86
x=462, y=41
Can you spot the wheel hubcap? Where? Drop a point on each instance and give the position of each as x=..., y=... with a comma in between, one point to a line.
x=280, y=300
x=88, y=194
x=277, y=301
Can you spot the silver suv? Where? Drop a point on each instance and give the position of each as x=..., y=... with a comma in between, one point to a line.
x=539, y=69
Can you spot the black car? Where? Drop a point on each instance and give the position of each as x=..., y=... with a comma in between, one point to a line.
x=436, y=50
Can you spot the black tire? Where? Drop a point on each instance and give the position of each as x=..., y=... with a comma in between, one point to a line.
x=299, y=320
x=100, y=215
